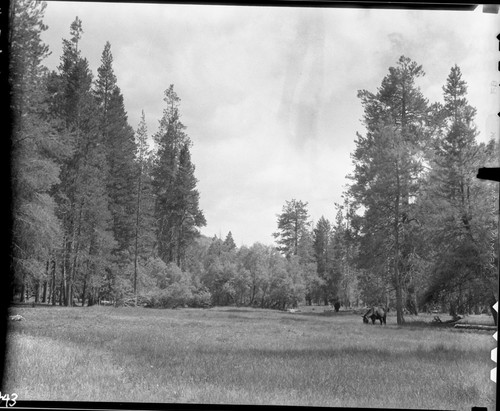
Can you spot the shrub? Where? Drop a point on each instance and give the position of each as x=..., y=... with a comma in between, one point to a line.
x=179, y=294
x=176, y=295
x=201, y=299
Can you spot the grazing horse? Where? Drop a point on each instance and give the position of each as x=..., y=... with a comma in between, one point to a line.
x=336, y=306
x=375, y=313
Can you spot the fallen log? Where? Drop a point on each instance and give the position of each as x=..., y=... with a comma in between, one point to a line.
x=476, y=327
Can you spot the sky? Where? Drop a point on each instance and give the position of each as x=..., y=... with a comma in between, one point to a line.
x=269, y=94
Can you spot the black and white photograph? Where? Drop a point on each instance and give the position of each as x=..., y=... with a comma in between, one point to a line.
x=253, y=204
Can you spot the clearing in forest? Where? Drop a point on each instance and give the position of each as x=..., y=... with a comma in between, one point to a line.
x=244, y=356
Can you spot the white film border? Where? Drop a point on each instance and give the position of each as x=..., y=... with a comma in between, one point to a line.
x=493, y=373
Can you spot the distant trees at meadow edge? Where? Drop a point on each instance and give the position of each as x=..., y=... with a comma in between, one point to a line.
x=98, y=215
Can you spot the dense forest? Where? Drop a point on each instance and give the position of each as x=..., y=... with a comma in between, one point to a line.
x=101, y=215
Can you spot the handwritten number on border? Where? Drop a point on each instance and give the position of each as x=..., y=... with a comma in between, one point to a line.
x=10, y=401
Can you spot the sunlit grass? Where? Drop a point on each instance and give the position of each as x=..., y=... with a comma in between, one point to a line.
x=244, y=356
x=42, y=368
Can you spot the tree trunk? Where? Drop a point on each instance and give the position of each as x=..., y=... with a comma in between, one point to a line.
x=44, y=292
x=53, y=293
x=453, y=310
x=399, y=290
x=65, y=267
x=53, y=286
x=74, y=248
x=252, y=298
x=138, y=213
x=37, y=290
x=23, y=288
x=44, y=289
x=87, y=274
x=399, y=299
x=84, y=290
x=62, y=292
x=72, y=276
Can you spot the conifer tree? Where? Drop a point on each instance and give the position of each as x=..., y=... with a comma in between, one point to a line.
x=460, y=210
x=36, y=149
x=119, y=148
x=169, y=139
x=177, y=200
x=229, y=243
x=387, y=171
x=292, y=226
x=82, y=197
x=345, y=249
x=323, y=254
x=142, y=158
x=187, y=214
x=105, y=83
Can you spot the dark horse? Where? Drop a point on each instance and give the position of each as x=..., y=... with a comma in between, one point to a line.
x=375, y=313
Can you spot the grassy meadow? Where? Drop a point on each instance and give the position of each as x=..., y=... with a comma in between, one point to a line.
x=245, y=356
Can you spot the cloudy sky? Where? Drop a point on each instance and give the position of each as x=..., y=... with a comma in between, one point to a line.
x=268, y=94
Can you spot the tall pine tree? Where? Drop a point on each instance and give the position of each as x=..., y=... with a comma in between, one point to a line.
x=37, y=149
x=460, y=211
x=388, y=165
x=177, y=200
x=292, y=227
x=324, y=257
x=119, y=148
x=187, y=216
x=144, y=208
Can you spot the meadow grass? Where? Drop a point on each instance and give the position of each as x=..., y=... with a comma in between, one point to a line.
x=244, y=356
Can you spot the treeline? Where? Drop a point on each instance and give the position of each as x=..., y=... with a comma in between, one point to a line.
x=417, y=230
x=92, y=203
x=100, y=216
x=308, y=266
